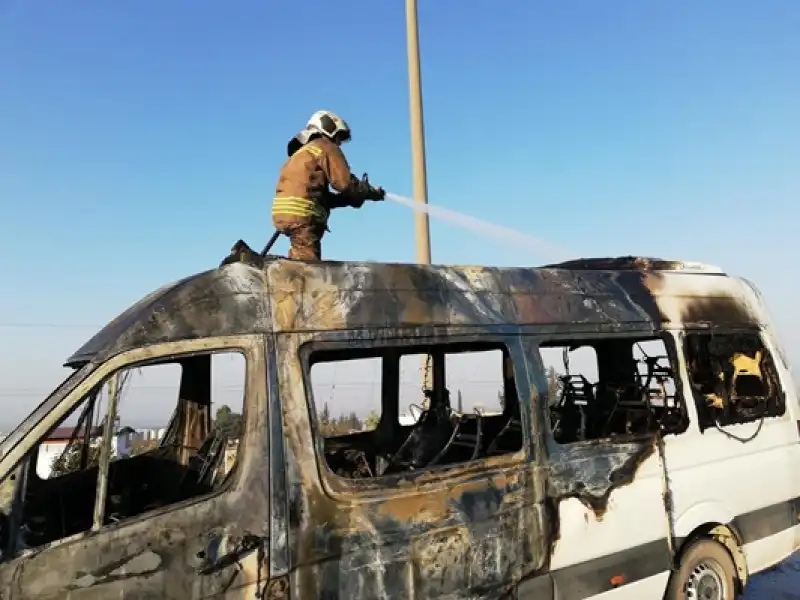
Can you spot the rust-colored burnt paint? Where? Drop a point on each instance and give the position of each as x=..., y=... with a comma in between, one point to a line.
x=430, y=507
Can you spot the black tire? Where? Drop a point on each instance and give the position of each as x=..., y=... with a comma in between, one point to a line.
x=708, y=565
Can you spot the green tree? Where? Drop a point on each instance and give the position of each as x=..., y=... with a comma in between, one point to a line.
x=228, y=422
x=372, y=420
x=69, y=461
x=343, y=424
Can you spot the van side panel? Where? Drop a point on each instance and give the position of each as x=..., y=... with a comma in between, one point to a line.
x=625, y=537
x=463, y=531
x=608, y=508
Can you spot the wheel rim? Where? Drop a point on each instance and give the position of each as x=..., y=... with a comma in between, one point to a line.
x=706, y=582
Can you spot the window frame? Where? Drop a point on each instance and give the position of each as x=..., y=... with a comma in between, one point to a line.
x=249, y=347
x=675, y=358
x=400, y=482
x=701, y=410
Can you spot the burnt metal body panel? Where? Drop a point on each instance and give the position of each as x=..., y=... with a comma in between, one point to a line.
x=210, y=546
x=466, y=530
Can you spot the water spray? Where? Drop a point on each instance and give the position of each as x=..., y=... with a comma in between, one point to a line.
x=505, y=234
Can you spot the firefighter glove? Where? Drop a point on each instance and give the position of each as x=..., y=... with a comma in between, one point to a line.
x=376, y=193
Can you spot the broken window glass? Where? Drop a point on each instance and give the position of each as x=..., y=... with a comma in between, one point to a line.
x=393, y=423
x=165, y=446
x=611, y=388
x=733, y=378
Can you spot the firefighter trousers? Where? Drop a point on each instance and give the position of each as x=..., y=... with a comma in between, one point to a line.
x=304, y=233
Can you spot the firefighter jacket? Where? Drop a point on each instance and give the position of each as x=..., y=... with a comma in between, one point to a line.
x=302, y=189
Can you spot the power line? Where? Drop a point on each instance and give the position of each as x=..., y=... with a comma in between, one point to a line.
x=6, y=392
x=129, y=386
x=24, y=325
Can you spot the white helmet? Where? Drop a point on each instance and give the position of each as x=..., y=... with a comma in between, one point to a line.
x=330, y=125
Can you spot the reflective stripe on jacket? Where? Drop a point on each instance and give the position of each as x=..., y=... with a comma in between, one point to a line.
x=298, y=207
x=302, y=188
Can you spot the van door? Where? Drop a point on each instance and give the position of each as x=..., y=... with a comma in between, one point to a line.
x=745, y=441
x=151, y=525
x=366, y=522
x=607, y=483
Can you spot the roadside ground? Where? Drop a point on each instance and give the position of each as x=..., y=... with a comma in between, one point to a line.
x=779, y=583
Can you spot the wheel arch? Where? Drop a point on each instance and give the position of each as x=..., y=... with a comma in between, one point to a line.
x=724, y=534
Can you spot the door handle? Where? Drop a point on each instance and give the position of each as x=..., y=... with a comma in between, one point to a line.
x=212, y=559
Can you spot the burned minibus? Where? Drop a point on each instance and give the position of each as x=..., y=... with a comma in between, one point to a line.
x=665, y=467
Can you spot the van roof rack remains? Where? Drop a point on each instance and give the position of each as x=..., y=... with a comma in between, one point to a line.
x=636, y=263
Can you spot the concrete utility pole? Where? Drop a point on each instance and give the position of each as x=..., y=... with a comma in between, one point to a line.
x=421, y=224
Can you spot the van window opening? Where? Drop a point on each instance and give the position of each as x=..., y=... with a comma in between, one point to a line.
x=611, y=387
x=474, y=380
x=733, y=379
x=375, y=418
x=172, y=459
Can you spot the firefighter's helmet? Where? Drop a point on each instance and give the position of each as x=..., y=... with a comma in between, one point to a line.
x=330, y=125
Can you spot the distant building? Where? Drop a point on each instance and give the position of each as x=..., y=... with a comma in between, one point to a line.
x=150, y=433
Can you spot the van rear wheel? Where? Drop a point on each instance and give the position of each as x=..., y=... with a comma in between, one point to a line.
x=706, y=572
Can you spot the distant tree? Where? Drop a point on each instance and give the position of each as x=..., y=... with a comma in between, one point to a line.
x=371, y=421
x=352, y=423
x=69, y=461
x=554, y=384
x=343, y=424
x=324, y=419
x=325, y=414
x=228, y=422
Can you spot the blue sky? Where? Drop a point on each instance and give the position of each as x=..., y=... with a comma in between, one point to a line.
x=139, y=140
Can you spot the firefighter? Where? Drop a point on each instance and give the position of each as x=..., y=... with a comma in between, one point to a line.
x=303, y=201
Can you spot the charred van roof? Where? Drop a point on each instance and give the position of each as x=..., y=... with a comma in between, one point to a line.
x=279, y=295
